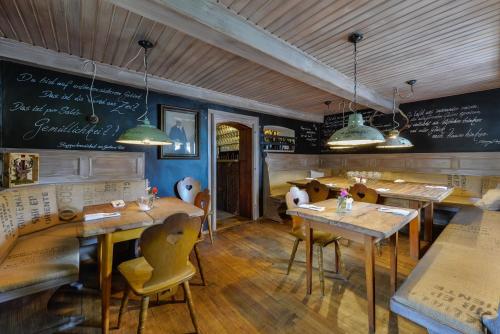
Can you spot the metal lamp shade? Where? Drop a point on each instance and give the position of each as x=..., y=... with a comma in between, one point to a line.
x=355, y=133
x=395, y=142
x=144, y=134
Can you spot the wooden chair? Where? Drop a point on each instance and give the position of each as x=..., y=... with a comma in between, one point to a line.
x=361, y=193
x=188, y=188
x=164, y=265
x=321, y=239
x=317, y=191
x=202, y=200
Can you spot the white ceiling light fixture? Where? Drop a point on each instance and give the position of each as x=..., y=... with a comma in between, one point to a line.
x=355, y=133
x=393, y=139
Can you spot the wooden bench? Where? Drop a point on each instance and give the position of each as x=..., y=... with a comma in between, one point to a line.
x=40, y=252
x=458, y=278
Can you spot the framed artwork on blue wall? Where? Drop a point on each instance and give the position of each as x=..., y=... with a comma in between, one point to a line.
x=181, y=125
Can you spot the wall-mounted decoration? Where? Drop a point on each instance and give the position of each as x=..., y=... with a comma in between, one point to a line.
x=20, y=169
x=278, y=139
x=181, y=126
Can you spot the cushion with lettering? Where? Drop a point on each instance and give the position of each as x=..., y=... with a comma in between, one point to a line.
x=8, y=228
x=34, y=208
x=38, y=259
x=490, y=200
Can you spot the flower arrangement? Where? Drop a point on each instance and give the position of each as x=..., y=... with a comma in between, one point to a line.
x=344, y=201
x=153, y=191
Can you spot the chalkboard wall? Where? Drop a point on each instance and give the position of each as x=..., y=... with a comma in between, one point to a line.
x=462, y=123
x=117, y=106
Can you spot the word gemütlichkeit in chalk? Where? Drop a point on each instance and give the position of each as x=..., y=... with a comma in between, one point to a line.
x=75, y=128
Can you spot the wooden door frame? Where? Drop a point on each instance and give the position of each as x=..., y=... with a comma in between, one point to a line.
x=216, y=117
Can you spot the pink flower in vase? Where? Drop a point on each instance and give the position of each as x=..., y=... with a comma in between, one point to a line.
x=344, y=193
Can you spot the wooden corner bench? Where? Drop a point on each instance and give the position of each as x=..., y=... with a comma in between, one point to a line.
x=458, y=278
x=37, y=255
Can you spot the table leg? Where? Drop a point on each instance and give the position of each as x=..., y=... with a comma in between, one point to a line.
x=106, y=270
x=309, y=257
x=393, y=247
x=415, y=232
x=370, y=280
x=428, y=221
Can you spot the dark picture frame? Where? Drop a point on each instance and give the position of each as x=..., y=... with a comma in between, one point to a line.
x=182, y=126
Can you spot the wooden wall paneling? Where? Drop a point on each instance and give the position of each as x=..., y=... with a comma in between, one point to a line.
x=245, y=172
x=473, y=164
x=67, y=166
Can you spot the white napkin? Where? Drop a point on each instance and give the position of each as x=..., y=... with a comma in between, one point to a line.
x=100, y=215
x=312, y=207
x=399, y=181
x=400, y=212
x=309, y=178
x=437, y=187
x=330, y=184
x=382, y=189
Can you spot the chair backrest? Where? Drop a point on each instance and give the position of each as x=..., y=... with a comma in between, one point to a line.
x=166, y=247
x=362, y=193
x=188, y=188
x=202, y=201
x=294, y=198
x=317, y=191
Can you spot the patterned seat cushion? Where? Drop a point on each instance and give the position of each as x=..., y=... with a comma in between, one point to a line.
x=37, y=259
x=457, y=279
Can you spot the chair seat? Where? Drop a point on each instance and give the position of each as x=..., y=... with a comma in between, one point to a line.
x=138, y=271
x=319, y=237
x=39, y=259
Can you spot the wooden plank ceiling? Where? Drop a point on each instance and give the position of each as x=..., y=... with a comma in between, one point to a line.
x=98, y=30
x=450, y=47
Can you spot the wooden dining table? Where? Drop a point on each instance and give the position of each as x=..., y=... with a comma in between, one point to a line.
x=418, y=195
x=128, y=226
x=364, y=224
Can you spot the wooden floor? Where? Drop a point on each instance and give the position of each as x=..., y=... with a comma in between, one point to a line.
x=249, y=292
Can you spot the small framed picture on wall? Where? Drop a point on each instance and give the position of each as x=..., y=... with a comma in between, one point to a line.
x=181, y=126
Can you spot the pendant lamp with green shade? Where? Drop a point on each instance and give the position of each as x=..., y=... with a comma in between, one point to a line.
x=355, y=133
x=394, y=139
x=145, y=133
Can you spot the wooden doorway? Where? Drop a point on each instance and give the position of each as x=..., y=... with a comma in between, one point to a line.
x=233, y=168
x=234, y=171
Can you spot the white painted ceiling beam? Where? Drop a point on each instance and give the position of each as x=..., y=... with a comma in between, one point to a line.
x=220, y=27
x=26, y=53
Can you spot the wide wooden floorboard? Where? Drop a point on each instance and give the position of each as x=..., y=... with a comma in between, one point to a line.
x=249, y=292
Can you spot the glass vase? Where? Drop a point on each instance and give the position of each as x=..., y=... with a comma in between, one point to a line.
x=341, y=204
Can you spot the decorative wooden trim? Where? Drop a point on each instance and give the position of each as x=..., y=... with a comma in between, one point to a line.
x=215, y=117
x=473, y=164
x=61, y=166
x=22, y=52
x=215, y=25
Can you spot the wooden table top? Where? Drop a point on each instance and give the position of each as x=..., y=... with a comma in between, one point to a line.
x=132, y=217
x=405, y=190
x=364, y=218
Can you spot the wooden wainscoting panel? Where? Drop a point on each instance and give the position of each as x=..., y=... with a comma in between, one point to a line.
x=472, y=164
x=61, y=166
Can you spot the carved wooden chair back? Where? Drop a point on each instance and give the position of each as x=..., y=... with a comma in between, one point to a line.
x=362, y=193
x=294, y=198
x=317, y=191
x=166, y=247
x=202, y=201
x=188, y=188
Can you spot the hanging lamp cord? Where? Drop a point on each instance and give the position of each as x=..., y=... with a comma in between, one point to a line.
x=144, y=117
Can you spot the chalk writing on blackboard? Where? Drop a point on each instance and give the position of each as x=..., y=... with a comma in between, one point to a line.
x=45, y=109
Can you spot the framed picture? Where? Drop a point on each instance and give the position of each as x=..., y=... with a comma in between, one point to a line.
x=20, y=169
x=181, y=125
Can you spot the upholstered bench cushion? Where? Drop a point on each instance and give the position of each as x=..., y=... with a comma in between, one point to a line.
x=458, y=278
x=37, y=259
x=32, y=208
x=8, y=229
